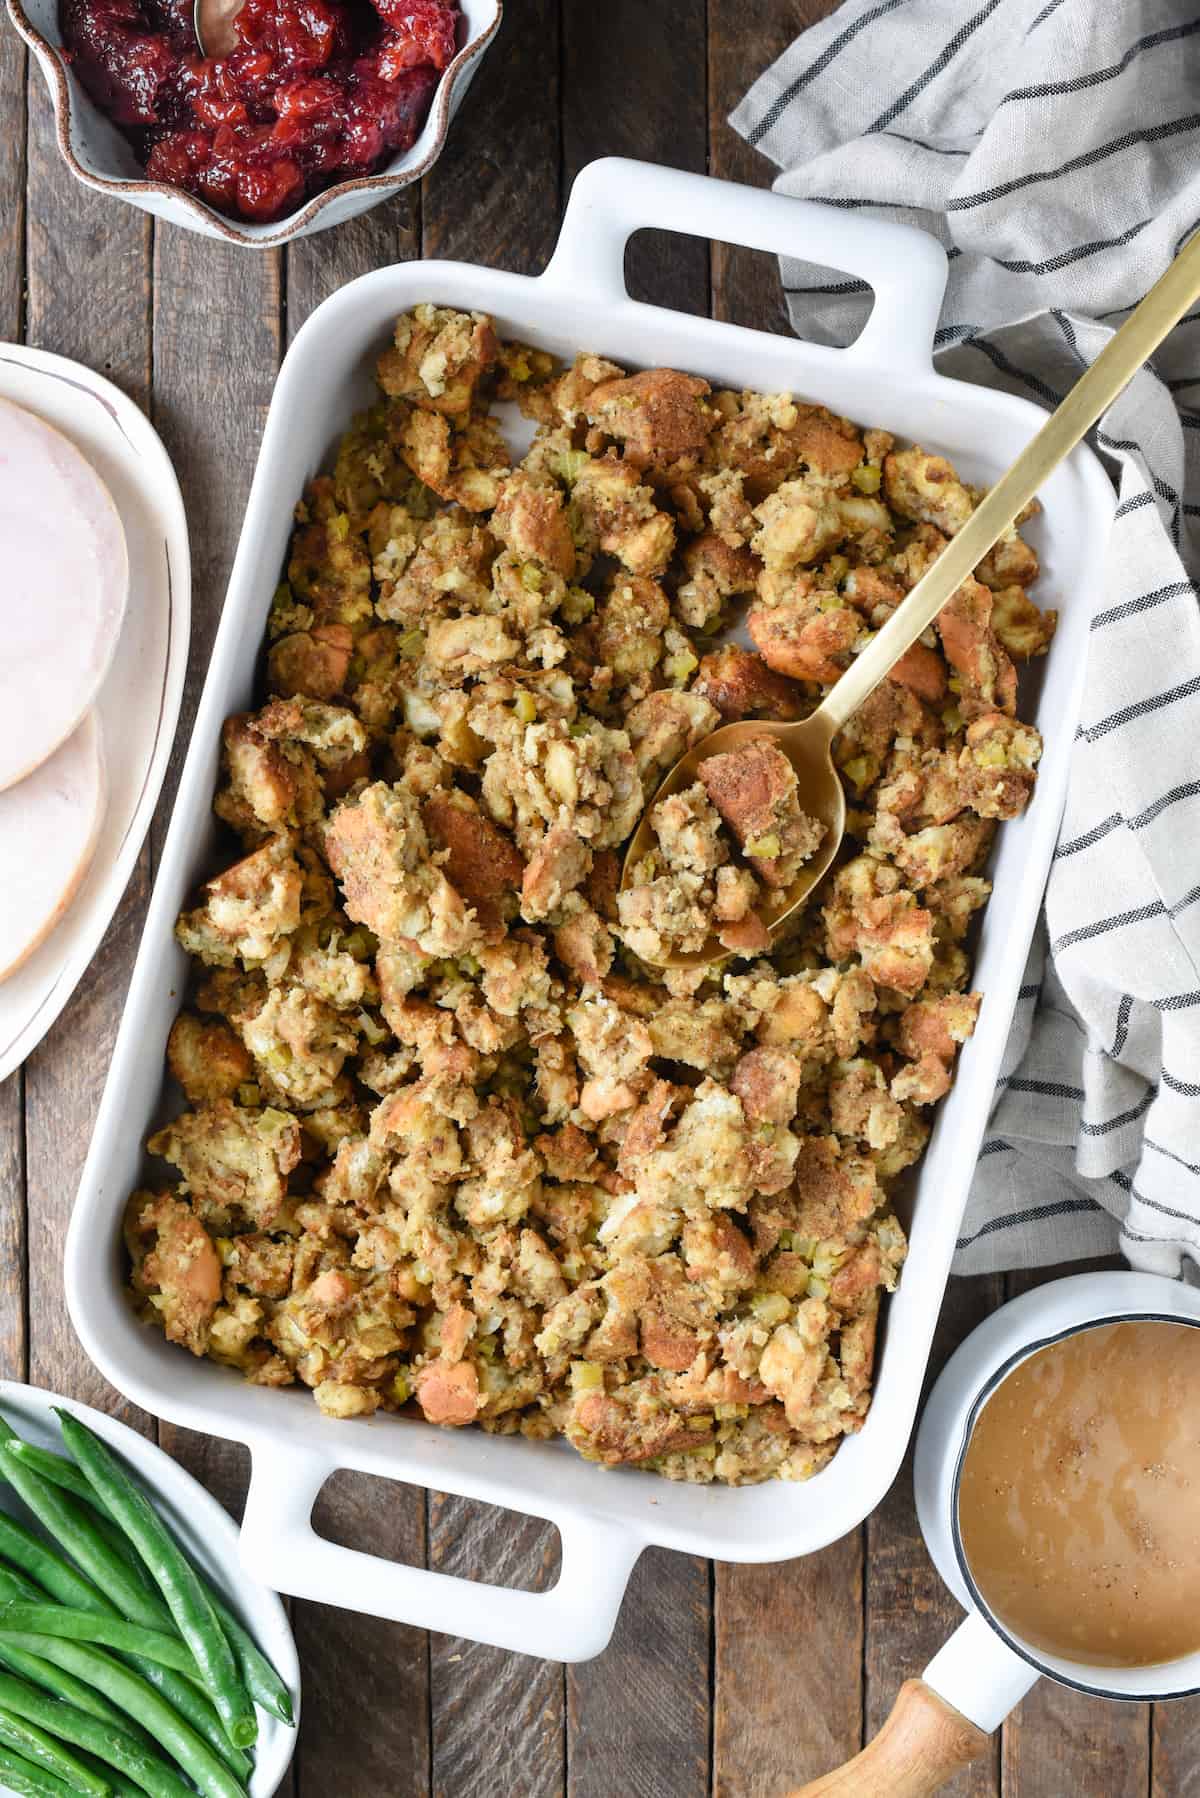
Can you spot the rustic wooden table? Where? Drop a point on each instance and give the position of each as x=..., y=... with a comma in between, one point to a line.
x=734, y=1680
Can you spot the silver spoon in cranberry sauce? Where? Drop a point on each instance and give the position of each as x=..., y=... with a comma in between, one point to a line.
x=216, y=26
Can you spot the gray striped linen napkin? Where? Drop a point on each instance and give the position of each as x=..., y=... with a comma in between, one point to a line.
x=1054, y=148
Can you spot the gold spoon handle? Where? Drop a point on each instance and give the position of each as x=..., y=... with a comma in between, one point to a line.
x=1091, y=395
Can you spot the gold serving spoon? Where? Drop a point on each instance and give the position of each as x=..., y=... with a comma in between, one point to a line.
x=807, y=744
x=216, y=26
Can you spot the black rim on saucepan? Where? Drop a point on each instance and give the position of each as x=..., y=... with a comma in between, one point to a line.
x=985, y=1392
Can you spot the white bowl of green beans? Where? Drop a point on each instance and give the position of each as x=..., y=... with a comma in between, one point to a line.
x=136, y=1659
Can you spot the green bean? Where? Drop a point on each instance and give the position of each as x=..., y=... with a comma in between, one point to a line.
x=137, y=1699
x=63, y=1519
x=15, y=1588
x=178, y=1690
x=43, y=1751
x=122, y=1787
x=49, y=1570
x=37, y=1672
x=55, y=1468
x=116, y=1747
x=261, y=1679
x=27, y=1781
x=173, y=1574
x=61, y=1472
x=86, y=1626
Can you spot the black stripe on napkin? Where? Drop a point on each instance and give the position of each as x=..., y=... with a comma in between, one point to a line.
x=1120, y=1120
x=1062, y=1208
x=1096, y=835
x=936, y=67
x=1043, y=16
x=1142, y=707
x=1134, y=502
x=1152, y=134
x=778, y=107
x=1049, y=1089
x=1173, y=1084
x=1144, y=602
x=1129, y=1186
x=1155, y=810
x=1161, y=1149
x=1077, y=253
x=1085, y=932
x=1079, y=82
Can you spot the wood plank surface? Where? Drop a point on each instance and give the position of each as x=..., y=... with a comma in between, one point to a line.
x=496, y=1718
x=745, y=37
x=1175, y=1749
x=788, y=1677
x=365, y=1727
x=13, y=179
x=494, y=195
x=620, y=62
x=638, y=1716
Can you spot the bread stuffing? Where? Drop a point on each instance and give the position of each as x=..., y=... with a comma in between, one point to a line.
x=448, y=1143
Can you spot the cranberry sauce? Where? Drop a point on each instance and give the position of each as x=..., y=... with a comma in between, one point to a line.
x=317, y=91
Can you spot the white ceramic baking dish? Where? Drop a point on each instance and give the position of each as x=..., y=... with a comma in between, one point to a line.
x=605, y=1518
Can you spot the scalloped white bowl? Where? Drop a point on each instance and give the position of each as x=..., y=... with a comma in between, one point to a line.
x=205, y=1529
x=98, y=155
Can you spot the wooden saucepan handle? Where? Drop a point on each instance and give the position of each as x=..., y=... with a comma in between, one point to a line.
x=924, y=1742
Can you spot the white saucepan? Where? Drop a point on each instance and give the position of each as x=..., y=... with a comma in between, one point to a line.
x=942, y=1721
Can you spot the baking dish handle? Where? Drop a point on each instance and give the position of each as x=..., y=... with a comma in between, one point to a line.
x=612, y=198
x=571, y=1622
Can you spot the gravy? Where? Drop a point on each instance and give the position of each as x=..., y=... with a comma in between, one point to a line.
x=1079, y=1506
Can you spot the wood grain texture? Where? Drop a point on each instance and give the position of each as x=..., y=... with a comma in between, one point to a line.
x=1059, y=1742
x=317, y=266
x=365, y=1726
x=744, y=37
x=627, y=68
x=909, y=1612
x=13, y=176
x=923, y=1744
x=88, y=267
x=788, y=1670
x=14, y=1254
x=494, y=195
x=64, y=1078
x=1175, y=1749
x=497, y=1718
x=639, y=1717
x=217, y=346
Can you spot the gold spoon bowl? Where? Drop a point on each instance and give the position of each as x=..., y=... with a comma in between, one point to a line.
x=215, y=23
